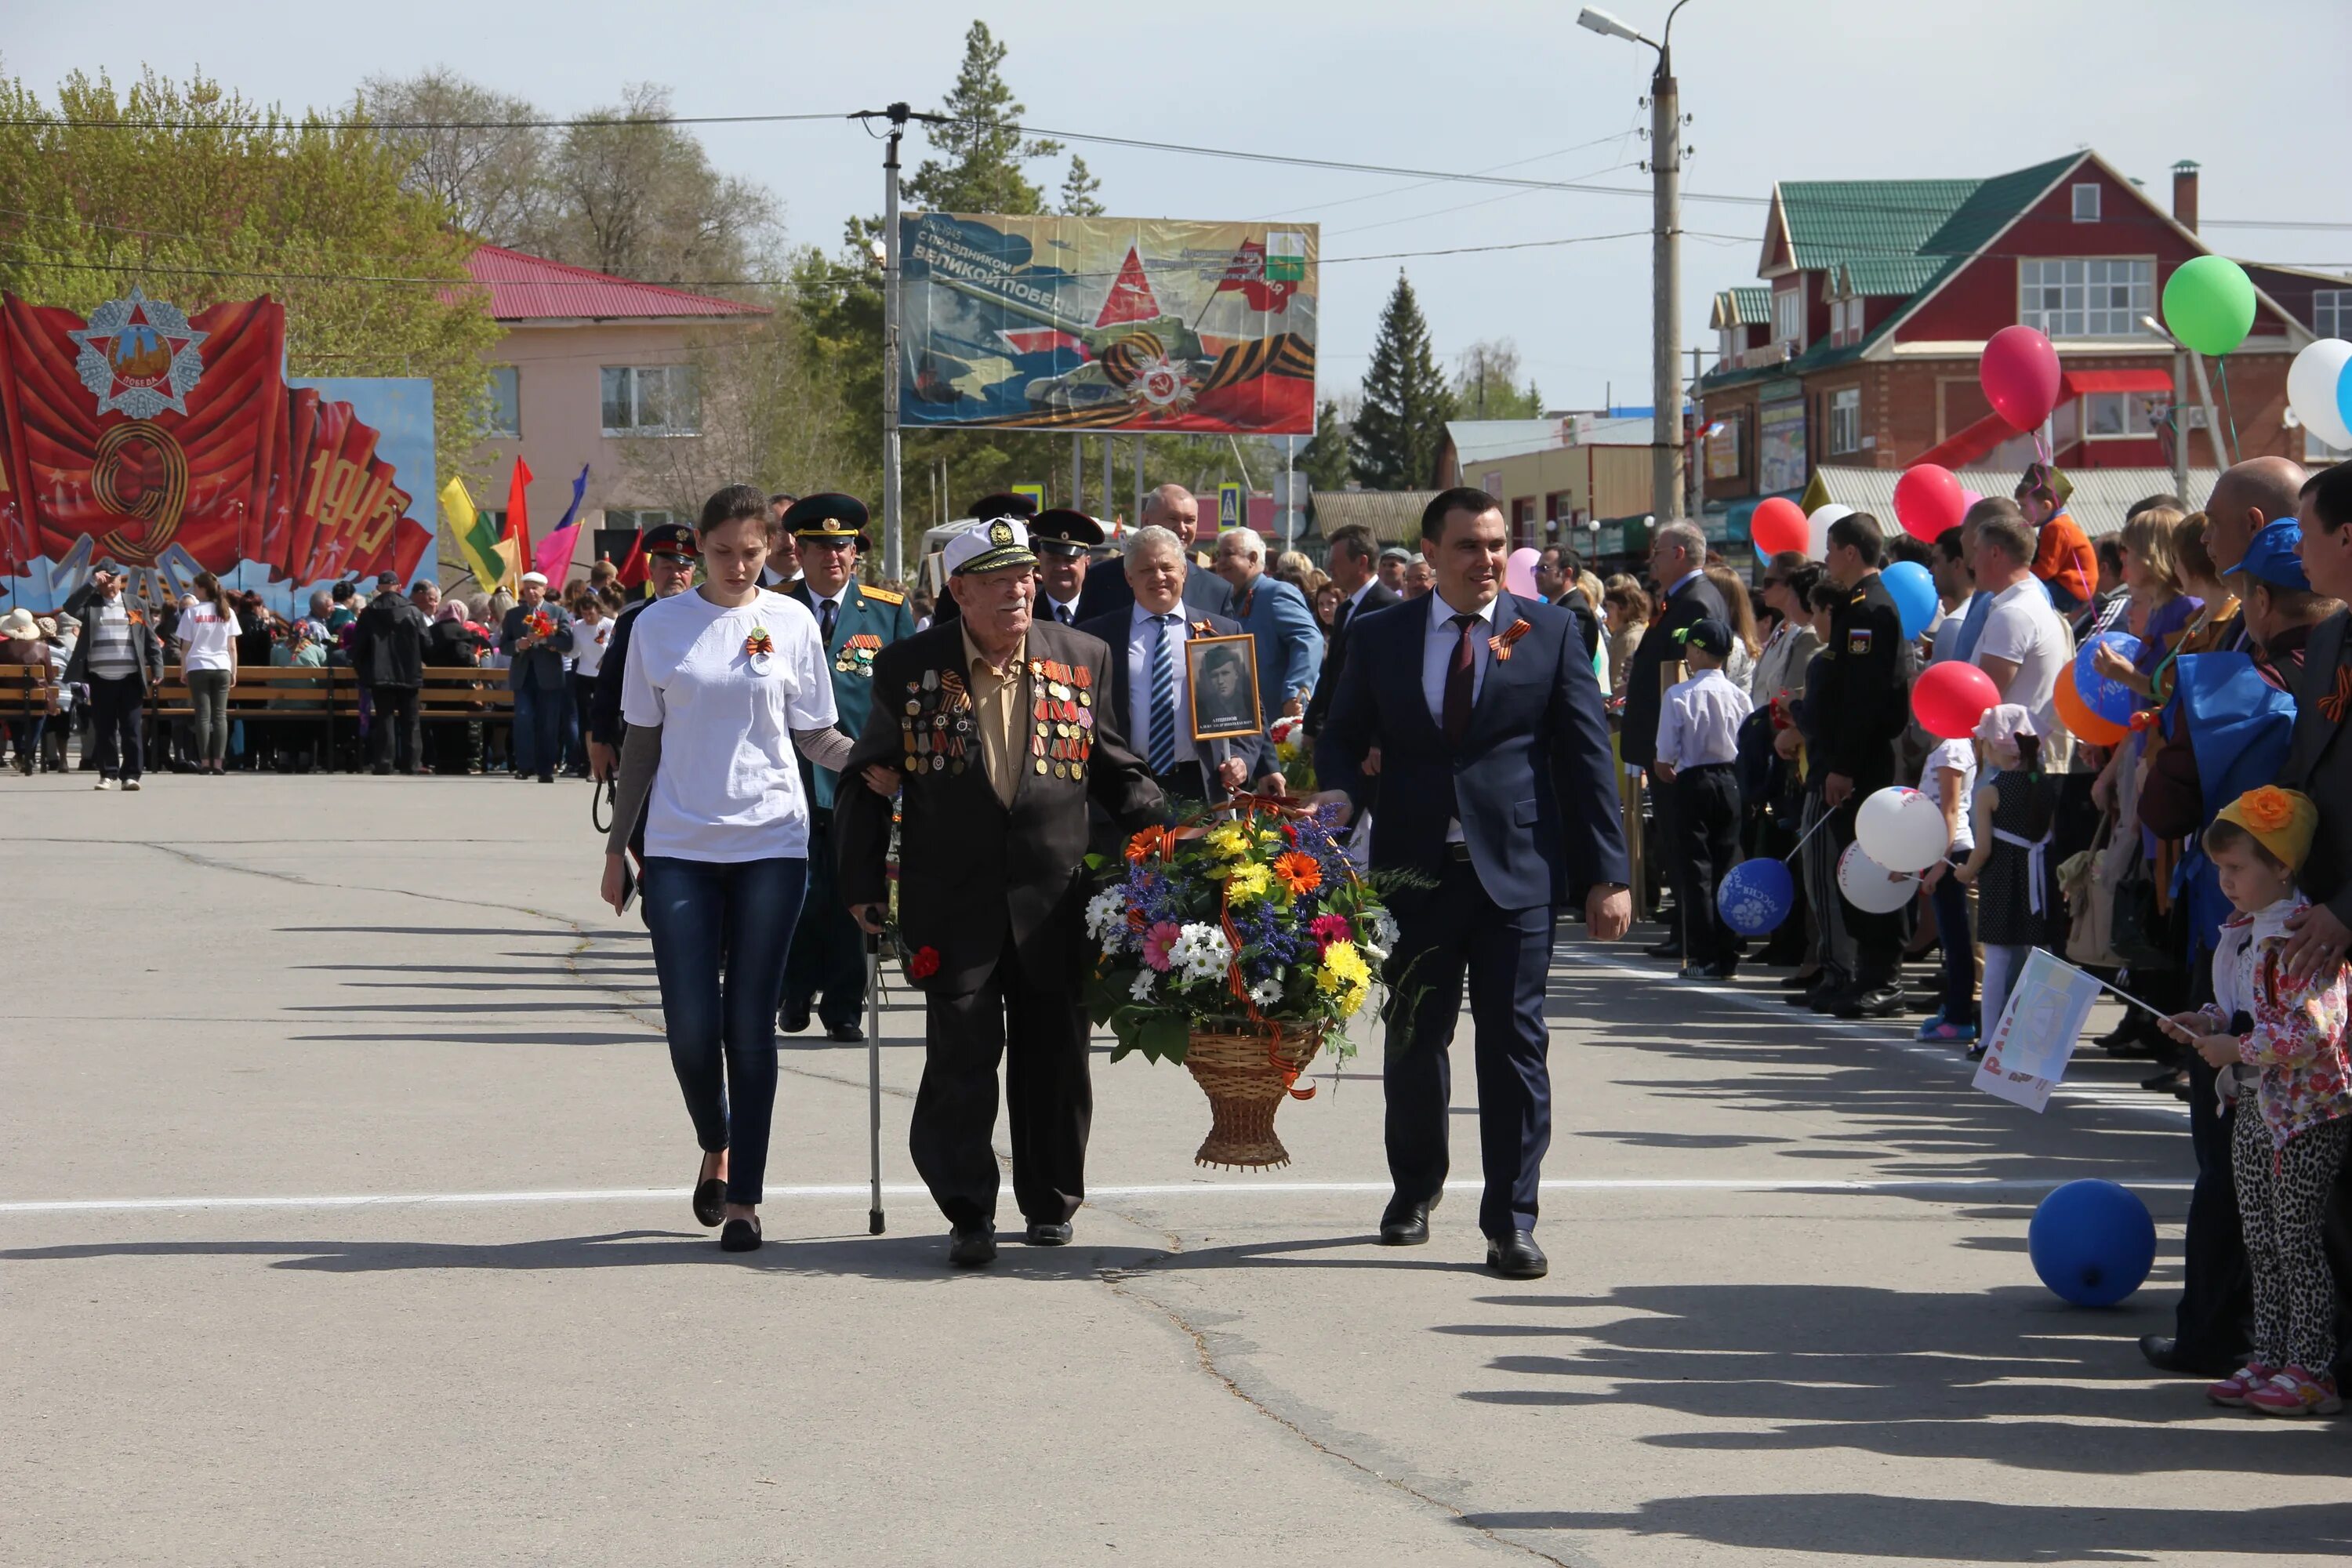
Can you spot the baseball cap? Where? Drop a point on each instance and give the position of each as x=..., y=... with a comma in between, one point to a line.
x=387, y=580
x=2271, y=555
x=1396, y=552
x=990, y=547
x=1711, y=634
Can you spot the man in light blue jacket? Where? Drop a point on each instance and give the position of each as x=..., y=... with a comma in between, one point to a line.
x=1289, y=647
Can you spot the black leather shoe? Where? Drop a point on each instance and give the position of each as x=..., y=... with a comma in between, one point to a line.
x=739, y=1236
x=972, y=1247
x=1044, y=1233
x=1404, y=1224
x=1829, y=998
x=2163, y=1352
x=1878, y=1002
x=1799, y=982
x=1664, y=950
x=1516, y=1255
x=846, y=1035
x=791, y=1021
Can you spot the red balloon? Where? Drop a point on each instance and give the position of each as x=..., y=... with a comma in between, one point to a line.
x=1950, y=696
x=1928, y=501
x=2021, y=376
x=1778, y=524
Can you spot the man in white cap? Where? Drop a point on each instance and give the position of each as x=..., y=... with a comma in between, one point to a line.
x=989, y=726
x=535, y=637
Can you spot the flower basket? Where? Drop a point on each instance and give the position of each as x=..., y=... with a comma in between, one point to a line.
x=1247, y=1073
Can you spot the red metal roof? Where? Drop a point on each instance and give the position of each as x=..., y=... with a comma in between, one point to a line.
x=531, y=288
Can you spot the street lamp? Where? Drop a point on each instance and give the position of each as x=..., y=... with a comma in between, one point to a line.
x=1666, y=249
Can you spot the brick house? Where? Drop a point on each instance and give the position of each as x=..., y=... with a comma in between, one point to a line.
x=1860, y=347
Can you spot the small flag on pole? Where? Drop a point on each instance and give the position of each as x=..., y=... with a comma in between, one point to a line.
x=2027, y=1052
x=516, y=543
x=477, y=542
x=553, y=559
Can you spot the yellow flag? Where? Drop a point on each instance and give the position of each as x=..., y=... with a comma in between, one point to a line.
x=477, y=540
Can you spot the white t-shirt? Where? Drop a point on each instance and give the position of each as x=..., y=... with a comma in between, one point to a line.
x=728, y=789
x=205, y=635
x=588, y=646
x=1958, y=757
x=2022, y=628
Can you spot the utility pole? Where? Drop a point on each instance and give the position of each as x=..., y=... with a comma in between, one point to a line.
x=1695, y=490
x=893, y=547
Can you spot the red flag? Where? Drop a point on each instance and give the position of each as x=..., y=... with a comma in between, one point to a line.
x=1247, y=272
x=518, y=516
x=632, y=568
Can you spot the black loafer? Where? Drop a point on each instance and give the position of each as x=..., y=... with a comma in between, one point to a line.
x=1516, y=1257
x=740, y=1235
x=709, y=1202
x=792, y=1023
x=972, y=1247
x=1878, y=1002
x=846, y=1035
x=1049, y=1233
x=1404, y=1224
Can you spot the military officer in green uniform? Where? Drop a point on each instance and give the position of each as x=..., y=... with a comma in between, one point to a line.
x=826, y=971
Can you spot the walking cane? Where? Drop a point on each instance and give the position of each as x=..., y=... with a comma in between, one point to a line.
x=874, y=1076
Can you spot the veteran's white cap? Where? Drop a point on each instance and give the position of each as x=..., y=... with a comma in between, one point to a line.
x=996, y=544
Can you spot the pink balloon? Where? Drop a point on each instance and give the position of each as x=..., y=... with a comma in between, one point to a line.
x=1950, y=696
x=2021, y=376
x=1969, y=499
x=1928, y=501
x=1520, y=571
x=1778, y=524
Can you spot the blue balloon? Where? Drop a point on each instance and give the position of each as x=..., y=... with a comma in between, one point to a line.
x=1756, y=895
x=2109, y=699
x=2092, y=1242
x=1914, y=595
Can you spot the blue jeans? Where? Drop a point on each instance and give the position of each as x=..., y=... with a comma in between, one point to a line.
x=1950, y=901
x=539, y=727
x=721, y=935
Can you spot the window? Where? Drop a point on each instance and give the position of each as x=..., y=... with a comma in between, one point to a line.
x=505, y=401
x=1789, y=318
x=2086, y=203
x=1845, y=321
x=640, y=520
x=2331, y=311
x=651, y=400
x=1523, y=522
x=2123, y=416
x=2098, y=297
x=1727, y=347
x=1845, y=420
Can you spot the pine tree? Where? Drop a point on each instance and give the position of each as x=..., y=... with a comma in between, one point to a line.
x=983, y=148
x=1325, y=460
x=1078, y=190
x=1395, y=443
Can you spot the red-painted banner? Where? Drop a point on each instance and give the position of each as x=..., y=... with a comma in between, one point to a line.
x=148, y=433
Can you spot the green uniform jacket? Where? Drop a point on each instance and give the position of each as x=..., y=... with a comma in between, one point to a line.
x=868, y=620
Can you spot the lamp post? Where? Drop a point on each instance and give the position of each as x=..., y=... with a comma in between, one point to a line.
x=1665, y=252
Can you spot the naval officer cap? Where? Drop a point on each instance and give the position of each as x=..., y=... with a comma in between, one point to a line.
x=828, y=516
x=1063, y=530
x=990, y=547
x=1004, y=503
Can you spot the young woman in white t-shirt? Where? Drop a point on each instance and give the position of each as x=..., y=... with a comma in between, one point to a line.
x=725, y=690
x=591, y=634
x=207, y=636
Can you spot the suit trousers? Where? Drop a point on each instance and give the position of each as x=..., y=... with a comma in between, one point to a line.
x=1707, y=832
x=539, y=713
x=1049, y=1097
x=2217, y=1284
x=1444, y=934
x=396, y=731
x=826, y=973
x=1877, y=939
x=117, y=705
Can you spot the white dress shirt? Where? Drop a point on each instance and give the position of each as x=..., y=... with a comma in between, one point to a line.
x=1139, y=644
x=1054, y=610
x=1699, y=722
x=1437, y=652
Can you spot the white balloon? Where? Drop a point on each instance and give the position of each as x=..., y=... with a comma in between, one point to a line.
x=1902, y=829
x=1817, y=528
x=1871, y=887
x=2311, y=384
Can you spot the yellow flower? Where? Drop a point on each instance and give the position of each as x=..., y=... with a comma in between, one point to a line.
x=1247, y=882
x=1230, y=840
x=1349, y=1002
x=1342, y=960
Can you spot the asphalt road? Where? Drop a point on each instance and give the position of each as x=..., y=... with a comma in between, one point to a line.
x=342, y=1219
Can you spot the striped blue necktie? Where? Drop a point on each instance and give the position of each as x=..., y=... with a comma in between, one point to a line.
x=1163, y=697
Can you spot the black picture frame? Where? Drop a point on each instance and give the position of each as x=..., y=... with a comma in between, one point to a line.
x=1219, y=711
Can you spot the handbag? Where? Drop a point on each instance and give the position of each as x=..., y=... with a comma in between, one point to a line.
x=2090, y=903
x=2137, y=931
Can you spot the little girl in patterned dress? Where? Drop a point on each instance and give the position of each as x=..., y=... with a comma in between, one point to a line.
x=2278, y=1041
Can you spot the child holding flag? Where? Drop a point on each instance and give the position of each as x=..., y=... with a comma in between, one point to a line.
x=2276, y=1037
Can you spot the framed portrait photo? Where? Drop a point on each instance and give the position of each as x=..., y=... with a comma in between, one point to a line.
x=1221, y=675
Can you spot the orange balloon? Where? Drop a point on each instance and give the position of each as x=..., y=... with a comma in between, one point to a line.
x=2075, y=715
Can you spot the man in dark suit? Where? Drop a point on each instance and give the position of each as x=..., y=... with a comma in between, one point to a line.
x=1171, y=507
x=827, y=970
x=1146, y=646
x=1354, y=561
x=535, y=673
x=1496, y=783
x=992, y=721
x=1685, y=598
x=1063, y=539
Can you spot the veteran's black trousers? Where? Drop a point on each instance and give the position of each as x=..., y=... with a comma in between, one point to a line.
x=1050, y=1097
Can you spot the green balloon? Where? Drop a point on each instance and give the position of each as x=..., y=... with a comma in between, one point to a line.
x=2209, y=304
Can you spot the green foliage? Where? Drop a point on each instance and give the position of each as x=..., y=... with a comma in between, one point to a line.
x=1485, y=383
x=202, y=197
x=1325, y=460
x=981, y=169
x=1406, y=401
x=1078, y=190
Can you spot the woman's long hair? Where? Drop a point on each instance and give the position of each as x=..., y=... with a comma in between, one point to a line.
x=1735, y=599
x=208, y=586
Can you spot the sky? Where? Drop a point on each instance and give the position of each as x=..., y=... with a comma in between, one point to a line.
x=1776, y=90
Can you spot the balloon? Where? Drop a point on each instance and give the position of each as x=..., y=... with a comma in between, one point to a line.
x=2092, y=1242
x=2315, y=390
x=1756, y=895
x=2020, y=375
x=1928, y=501
x=2081, y=722
x=1520, y=571
x=1914, y=592
x=1950, y=696
x=1871, y=887
x=1778, y=524
x=2209, y=304
x=1969, y=500
x=1902, y=829
x=1817, y=528
x=2110, y=700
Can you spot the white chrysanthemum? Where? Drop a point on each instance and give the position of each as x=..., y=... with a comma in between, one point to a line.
x=1382, y=928
x=1267, y=992
x=1107, y=920
x=1201, y=952
x=1374, y=953
x=1142, y=989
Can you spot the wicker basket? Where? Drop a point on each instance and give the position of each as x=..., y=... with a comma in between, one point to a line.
x=1246, y=1073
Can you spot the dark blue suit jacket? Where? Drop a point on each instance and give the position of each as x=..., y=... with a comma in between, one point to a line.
x=1533, y=783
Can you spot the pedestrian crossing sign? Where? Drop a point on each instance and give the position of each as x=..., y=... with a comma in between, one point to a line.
x=1230, y=508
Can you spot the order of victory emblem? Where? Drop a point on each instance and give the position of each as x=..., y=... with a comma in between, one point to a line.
x=139, y=355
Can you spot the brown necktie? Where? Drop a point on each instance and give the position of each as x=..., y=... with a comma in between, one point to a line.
x=1459, y=680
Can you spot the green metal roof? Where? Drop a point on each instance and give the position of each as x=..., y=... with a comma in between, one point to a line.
x=1888, y=277
x=1829, y=220
x=1751, y=305
x=1991, y=205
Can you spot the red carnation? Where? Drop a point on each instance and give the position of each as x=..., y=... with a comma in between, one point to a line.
x=925, y=964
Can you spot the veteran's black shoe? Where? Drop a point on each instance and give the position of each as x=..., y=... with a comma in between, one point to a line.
x=2163, y=1352
x=1516, y=1255
x=1042, y=1233
x=792, y=1020
x=1878, y=1002
x=1404, y=1224
x=972, y=1247
x=1668, y=949
x=846, y=1035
